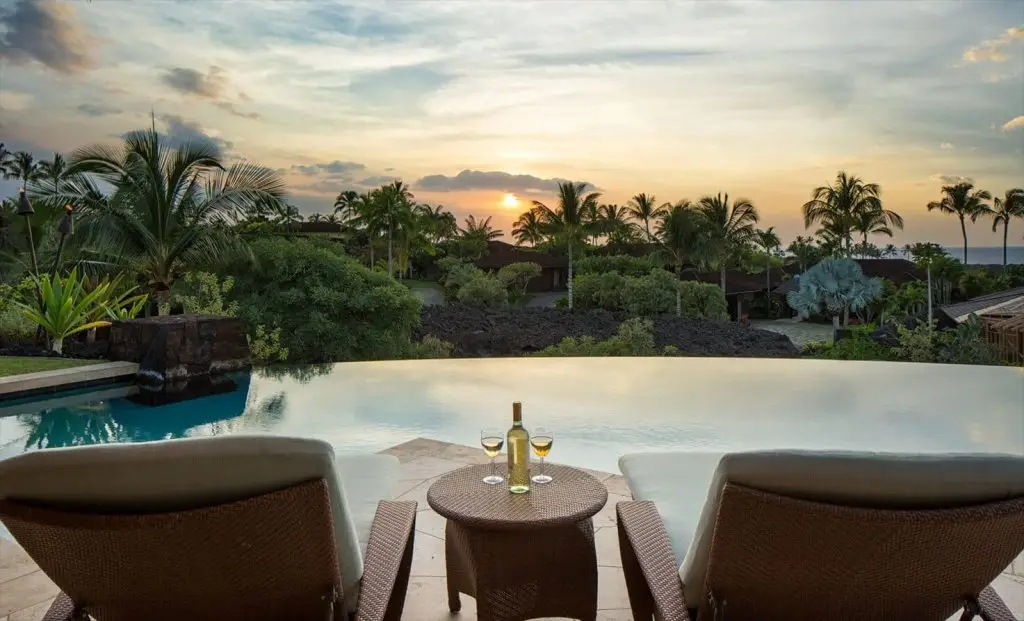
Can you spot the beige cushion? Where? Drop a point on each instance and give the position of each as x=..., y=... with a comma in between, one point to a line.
x=180, y=474
x=851, y=478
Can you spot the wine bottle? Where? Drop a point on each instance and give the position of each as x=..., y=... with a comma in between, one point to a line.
x=518, y=443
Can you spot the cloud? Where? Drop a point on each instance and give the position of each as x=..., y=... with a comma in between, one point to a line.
x=47, y=32
x=335, y=168
x=993, y=50
x=490, y=180
x=377, y=181
x=947, y=146
x=13, y=101
x=1014, y=123
x=951, y=179
x=97, y=109
x=231, y=108
x=192, y=82
x=181, y=132
x=619, y=56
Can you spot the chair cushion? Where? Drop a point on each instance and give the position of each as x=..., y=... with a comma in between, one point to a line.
x=677, y=483
x=195, y=472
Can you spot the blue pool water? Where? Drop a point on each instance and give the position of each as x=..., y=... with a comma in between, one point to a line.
x=599, y=408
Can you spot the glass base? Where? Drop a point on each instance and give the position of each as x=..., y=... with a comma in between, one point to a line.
x=540, y=478
x=493, y=479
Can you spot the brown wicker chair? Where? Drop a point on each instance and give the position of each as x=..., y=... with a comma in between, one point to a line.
x=253, y=528
x=808, y=536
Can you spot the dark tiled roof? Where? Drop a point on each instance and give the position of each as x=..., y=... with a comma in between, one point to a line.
x=981, y=302
x=316, y=227
x=899, y=271
x=499, y=254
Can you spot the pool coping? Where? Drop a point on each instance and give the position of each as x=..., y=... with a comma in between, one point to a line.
x=45, y=382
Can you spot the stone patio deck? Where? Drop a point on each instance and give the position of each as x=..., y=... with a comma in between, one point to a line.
x=26, y=592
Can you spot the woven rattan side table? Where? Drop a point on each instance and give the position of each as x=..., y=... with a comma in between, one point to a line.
x=522, y=556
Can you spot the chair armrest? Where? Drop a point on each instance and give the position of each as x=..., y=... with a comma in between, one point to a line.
x=62, y=609
x=993, y=608
x=649, y=565
x=388, y=562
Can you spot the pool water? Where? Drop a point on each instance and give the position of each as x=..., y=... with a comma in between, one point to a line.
x=599, y=408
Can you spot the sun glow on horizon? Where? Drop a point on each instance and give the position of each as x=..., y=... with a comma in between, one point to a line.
x=511, y=201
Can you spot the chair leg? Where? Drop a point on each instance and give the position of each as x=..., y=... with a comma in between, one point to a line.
x=641, y=601
x=397, y=602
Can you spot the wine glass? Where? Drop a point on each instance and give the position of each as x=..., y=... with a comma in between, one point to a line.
x=541, y=440
x=492, y=440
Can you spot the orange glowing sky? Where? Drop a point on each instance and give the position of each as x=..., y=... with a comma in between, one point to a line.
x=471, y=102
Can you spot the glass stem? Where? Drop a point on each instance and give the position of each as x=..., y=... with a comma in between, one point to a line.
x=493, y=468
x=542, y=465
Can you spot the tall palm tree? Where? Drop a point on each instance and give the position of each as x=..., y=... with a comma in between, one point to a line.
x=439, y=223
x=804, y=251
x=729, y=227
x=480, y=229
x=347, y=203
x=612, y=219
x=963, y=201
x=836, y=206
x=679, y=235
x=23, y=167
x=768, y=241
x=316, y=217
x=170, y=208
x=528, y=228
x=285, y=214
x=568, y=222
x=644, y=208
x=1006, y=209
x=876, y=222
x=5, y=157
x=394, y=205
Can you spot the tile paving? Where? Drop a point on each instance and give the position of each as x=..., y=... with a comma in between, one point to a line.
x=26, y=592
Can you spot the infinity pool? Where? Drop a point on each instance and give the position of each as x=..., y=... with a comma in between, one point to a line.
x=599, y=408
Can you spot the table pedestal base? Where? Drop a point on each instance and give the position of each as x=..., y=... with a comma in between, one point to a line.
x=519, y=575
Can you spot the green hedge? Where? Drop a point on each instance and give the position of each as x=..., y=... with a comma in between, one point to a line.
x=651, y=294
x=329, y=307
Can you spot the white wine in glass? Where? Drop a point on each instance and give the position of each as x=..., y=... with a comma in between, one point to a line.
x=541, y=441
x=492, y=440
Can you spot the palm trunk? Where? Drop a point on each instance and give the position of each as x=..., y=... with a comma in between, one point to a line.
x=1006, y=231
x=929, y=269
x=58, y=345
x=569, y=283
x=371, y=252
x=963, y=230
x=722, y=276
x=391, y=271
x=163, y=306
x=679, y=294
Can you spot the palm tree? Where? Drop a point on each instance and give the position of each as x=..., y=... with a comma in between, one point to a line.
x=964, y=203
x=285, y=214
x=316, y=217
x=528, y=228
x=347, y=203
x=394, y=205
x=926, y=255
x=568, y=223
x=613, y=219
x=1006, y=209
x=170, y=208
x=23, y=167
x=768, y=241
x=804, y=250
x=679, y=237
x=644, y=209
x=836, y=206
x=480, y=229
x=729, y=227
x=439, y=224
x=876, y=222
x=5, y=157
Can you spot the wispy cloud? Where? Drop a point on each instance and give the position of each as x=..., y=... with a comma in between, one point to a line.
x=47, y=32
x=951, y=179
x=993, y=50
x=98, y=109
x=191, y=82
x=1014, y=123
x=947, y=146
x=489, y=180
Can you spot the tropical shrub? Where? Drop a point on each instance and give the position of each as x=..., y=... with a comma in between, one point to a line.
x=205, y=295
x=835, y=286
x=265, y=345
x=857, y=346
x=917, y=344
x=910, y=300
x=483, y=291
x=64, y=307
x=635, y=337
x=703, y=301
x=516, y=276
x=457, y=273
x=328, y=306
x=966, y=344
x=431, y=347
x=622, y=263
x=651, y=294
x=14, y=325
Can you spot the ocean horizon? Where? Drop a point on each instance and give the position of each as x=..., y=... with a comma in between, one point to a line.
x=987, y=255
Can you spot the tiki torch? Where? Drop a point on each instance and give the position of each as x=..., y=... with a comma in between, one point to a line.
x=25, y=209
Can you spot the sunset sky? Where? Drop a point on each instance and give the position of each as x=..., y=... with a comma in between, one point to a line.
x=466, y=101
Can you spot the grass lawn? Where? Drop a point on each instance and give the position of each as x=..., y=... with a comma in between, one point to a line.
x=422, y=284
x=16, y=365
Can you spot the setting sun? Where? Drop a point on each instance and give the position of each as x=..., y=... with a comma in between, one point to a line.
x=510, y=201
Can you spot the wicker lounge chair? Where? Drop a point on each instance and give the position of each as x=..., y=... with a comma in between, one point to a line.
x=227, y=528
x=808, y=536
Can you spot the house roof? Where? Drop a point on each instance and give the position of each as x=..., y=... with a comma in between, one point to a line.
x=499, y=254
x=1001, y=302
x=735, y=281
x=899, y=271
x=316, y=227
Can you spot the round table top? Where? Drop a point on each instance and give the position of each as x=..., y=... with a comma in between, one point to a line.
x=572, y=496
